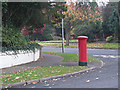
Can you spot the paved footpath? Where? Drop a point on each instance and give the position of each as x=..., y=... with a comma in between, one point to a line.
x=45, y=60
x=105, y=77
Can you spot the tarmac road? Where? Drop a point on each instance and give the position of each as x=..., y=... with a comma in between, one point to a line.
x=105, y=77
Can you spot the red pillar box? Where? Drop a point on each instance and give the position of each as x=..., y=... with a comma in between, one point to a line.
x=82, y=50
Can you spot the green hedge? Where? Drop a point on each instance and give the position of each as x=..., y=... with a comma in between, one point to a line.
x=13, y=40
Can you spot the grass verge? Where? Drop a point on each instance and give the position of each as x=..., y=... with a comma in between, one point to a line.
x=42, y=72
x=104, y=45
x=70, y=57
x=39, y=72
x=89, y=45
x=99, y=45
x=59, y=41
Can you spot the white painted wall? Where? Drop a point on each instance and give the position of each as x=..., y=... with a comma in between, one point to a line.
x=22, y=58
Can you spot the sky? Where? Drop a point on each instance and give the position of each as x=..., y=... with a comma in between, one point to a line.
x=98, y=1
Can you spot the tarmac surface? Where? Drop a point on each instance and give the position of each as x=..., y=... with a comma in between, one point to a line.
x=104, y=77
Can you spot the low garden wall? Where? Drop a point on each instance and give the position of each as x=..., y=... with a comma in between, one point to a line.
x=22, y=58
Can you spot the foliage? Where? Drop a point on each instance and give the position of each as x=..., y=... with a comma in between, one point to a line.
x=56, y=11
x=110, y=22
x=16, y=50
x=11, y=37
x=114, y=23
x=17, y=15
x=79, y=14
x=29, y=30
x=109, y=39
x=91, y=30
x=13, y=40
x=47, y=34
x=23, y=13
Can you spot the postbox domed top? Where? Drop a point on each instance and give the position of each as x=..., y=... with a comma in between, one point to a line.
x=82, y=37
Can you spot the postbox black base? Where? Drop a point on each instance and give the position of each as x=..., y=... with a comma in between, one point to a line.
x=82, y=63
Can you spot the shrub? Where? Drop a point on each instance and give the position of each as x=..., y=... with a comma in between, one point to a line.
x=57, y=38
x=109, y=39
x=13, y=40
x=12, y=37
x=48, y=34
x=90, y=30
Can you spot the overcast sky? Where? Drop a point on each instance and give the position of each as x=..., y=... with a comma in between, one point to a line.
x=104, y=1
x=99, y=2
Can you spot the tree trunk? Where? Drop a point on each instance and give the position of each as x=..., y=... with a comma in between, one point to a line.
x=67, y=37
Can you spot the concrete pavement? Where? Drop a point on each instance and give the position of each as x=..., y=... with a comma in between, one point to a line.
x=105, y=77
x=45, y=60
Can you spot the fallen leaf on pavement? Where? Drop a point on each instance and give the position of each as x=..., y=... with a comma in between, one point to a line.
x=71, y=76
x=75, y=76
x=99, y=71
x=53, y=84
x=47, y=85
x=63, y=80
x=97, y=78
x=32, y=87
x=88, y=81
x=25, y=84
x=54, y=79
x=113, y=77
x=28, y=83
x=34, y=82
x=83, y=73
x=58, y=78
x=45, y=81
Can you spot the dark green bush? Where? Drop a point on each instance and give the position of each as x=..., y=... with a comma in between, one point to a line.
x=48, y=34
x=90, y=30
x=12, y=37
x=13, y=40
